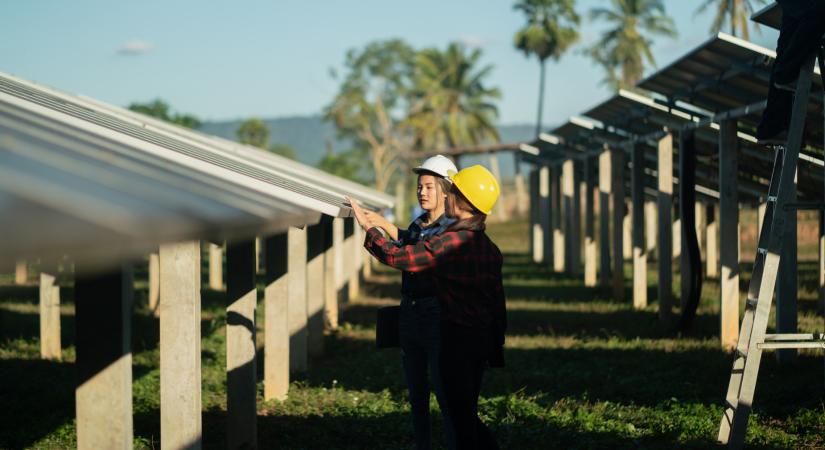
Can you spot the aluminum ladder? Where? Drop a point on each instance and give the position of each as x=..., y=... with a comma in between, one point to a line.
x=753, y=337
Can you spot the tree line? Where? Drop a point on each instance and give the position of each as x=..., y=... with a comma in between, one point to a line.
x=395, y=101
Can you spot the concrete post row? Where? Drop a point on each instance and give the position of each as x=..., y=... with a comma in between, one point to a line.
x=180, y=345
x=638, y=225
x=728, y=220
x=297, y=299
x=557, y=220
x=536, y=236
x=712, y=217
x=103, y=398
x=317, y=244
x=665, y=207
x=154, y=283
x=276, y=317
x=589, y=223
x=618, y=204
x=605, y=185
x=215, y=267
x=545, y=212
x=49, y=318
x=241, y=296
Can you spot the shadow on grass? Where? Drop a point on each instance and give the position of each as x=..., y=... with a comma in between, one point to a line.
x=38, y=399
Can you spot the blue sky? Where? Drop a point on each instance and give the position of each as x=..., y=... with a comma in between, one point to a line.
x=226, y=60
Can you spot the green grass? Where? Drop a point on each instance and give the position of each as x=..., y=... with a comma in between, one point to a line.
x=583, y=371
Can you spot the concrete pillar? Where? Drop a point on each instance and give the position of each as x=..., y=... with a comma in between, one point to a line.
x=501, y=207
x=366, y=267
x=297, y=304
x=651, y=217
x=760, y=219
x=355, y=256
x=154, y=283
x=576, y=236
x=49, y=318
x=701, y=222
x=677, y=239
x=712, y=239
x=545, y=212
x=521, y=195
x=180, y=345
x=103, y=334
x=315, y=291
x=638, y=228
x=729, y=233
x=21, y=272
x=604, y=217
x=258, y=251
x=536, y=233
x=276, y=317
x=241, y=297
x=589, y=223
x=568, y=194
x=332, y=271
x=556, y=219
x=786, y=283
x=618, y=203
x=664, y=201
x=627, y=231
x=215, y=267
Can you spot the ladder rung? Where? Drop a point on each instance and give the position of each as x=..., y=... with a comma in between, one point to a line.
x=791, y=344
x=793, y=336
x=793, y=340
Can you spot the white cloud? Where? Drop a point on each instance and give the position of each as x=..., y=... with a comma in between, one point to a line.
x=473, y=41
x=134, y=48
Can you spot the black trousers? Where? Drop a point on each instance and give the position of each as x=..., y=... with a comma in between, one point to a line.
x=799, y=36
x=464, y=357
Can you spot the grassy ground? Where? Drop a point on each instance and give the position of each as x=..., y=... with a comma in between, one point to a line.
x=584, y=371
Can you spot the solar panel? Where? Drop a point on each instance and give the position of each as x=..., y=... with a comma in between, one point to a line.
x=68, y=186
x=288, y=168
x=726, y=73
x=288, y=177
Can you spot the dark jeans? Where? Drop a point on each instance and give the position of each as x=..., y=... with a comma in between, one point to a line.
x=419, y=326
x=464, y=356
x=799, y=36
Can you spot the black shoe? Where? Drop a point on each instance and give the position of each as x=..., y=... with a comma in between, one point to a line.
x=777, y=139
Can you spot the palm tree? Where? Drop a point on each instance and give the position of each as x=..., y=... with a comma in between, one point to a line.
x=452, y=106
x=736, y=12
x=625, y=45
x=549, y=32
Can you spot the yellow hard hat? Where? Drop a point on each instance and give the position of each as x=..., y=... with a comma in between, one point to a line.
x=478, y=185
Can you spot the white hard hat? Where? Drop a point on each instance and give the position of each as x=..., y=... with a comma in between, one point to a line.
x=439, y=165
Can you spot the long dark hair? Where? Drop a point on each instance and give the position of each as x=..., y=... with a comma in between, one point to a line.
x=478, y=222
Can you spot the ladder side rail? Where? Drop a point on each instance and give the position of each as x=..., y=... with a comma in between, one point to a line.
x=746, y=328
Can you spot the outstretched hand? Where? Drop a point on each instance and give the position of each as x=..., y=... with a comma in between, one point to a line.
x=360, y=214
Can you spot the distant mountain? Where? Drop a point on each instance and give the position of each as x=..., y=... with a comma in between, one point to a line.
x=310, y=136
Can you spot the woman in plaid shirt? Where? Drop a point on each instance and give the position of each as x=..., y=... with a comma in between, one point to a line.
x=419, y=318
x=465, y=268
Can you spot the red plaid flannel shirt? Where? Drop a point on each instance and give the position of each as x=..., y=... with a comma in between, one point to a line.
x=466, y=274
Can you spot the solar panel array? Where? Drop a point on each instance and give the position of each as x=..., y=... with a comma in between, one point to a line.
x=724, y=76
x=104, y=184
